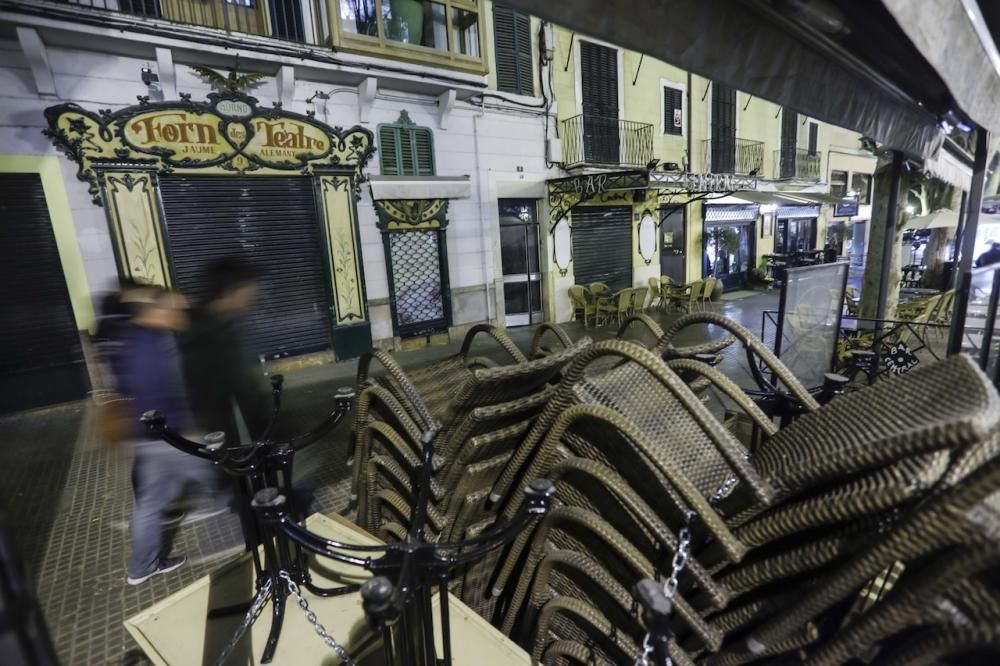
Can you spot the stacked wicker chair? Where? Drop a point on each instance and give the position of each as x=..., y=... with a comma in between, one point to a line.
x=891, y=492
x=476, y=417
x=826, y=504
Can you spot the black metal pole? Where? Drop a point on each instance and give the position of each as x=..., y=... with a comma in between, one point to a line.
x=888, y=242
x=968, y=240
x=956, y=251
x=991, y=316
x=975, y=199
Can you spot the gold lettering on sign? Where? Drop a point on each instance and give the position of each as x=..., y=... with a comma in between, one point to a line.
x=286, y=139
x=173, y=128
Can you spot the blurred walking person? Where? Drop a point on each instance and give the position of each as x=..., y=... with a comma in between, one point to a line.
x=228, y=391
x=148, y=374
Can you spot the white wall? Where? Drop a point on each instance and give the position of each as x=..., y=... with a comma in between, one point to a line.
x=506, y=141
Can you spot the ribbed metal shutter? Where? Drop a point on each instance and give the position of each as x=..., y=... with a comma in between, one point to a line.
x=602, y=245
x=272, y=223
x=512, y=45
x=41, y=359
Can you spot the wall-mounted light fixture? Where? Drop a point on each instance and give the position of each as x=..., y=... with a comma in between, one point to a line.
x=647, y=238
x=562, y=246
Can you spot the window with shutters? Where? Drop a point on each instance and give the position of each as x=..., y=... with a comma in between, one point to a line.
x=673, y=110
x=512, y=49
x=813, y=138
x=405, y=148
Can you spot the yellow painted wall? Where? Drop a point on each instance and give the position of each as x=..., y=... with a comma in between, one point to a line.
x=47, y=167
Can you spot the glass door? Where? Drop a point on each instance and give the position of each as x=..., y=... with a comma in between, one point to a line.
x=519, y=258
x=729, y=253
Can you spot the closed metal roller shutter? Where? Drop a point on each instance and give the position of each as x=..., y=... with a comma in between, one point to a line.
x=273, y=224
x=41, y=358
x=602, y=245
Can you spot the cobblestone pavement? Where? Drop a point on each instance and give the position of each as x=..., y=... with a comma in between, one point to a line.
x=69, y=499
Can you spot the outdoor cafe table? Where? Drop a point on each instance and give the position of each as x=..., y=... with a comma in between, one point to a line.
x=175, y=631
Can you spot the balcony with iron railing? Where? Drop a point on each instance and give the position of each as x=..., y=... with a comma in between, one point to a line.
x=796, y=164
x=595, y=140
x=743, y=157
x=280, y=19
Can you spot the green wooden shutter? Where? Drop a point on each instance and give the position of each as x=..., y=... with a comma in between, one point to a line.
x=388, y=138
x=423, y=143
x=406, y=150
x=672, y=105
x=512, y=48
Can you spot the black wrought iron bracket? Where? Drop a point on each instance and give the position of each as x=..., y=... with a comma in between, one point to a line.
x=266, y=463
x=398, y=599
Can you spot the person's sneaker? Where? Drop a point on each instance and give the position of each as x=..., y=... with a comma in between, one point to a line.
x=167, y=564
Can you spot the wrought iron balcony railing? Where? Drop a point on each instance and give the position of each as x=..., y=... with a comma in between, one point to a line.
x=742, y=157
x=796, y=163
x=589, y=139
x=279, y=19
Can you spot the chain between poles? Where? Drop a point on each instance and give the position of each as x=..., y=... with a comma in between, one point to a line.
x=669, y=589
x=320, y=630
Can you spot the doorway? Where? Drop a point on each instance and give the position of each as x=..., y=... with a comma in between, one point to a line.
x=673, y=262
x=729, y=253
x=271, y=223
x=41, y=356
x=795, y=235
x=522, y=292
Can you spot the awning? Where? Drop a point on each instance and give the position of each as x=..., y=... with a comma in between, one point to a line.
x=854, y=69
x=420, y=187
x=954, y=38
x=731, y=213
x=939, y=219
x=796, y=211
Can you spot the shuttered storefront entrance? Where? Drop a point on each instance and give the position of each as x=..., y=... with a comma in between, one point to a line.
x=602, y=245
x=41, y=358
x=271, y=222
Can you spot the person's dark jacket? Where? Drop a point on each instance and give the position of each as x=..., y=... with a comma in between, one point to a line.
x=991, y=256
x=147, y=371
x=221, y=373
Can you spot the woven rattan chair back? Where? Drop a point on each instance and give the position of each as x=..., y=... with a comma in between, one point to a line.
x=549, y=339
x=950, y=516
x=582, y=531
x=563, y=573
x=581, y=622
x=641, y=329
x=883, y=422
x=757, y=354
x=912, y=603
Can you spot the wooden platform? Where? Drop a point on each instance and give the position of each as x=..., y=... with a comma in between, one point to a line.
x=175, y=631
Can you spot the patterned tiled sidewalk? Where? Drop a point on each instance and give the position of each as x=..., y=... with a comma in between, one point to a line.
x=68, y=501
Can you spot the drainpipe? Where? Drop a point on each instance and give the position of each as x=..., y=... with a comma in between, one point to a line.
x=488, y=258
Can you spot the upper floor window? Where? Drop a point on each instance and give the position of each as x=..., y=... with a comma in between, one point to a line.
x=512, y=46
x=813, y=146
x=861, y=183
x=425, y=30
x=838, y=183
x=405, y=148
x=673, y=111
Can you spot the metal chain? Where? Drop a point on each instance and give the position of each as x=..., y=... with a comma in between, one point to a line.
x=251, y=616
x=669, y=588
x=311, y=618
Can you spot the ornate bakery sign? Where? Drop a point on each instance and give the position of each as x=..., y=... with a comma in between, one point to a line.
x=229, y=132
